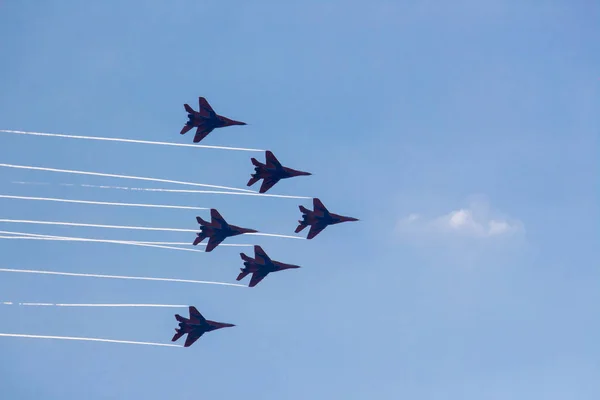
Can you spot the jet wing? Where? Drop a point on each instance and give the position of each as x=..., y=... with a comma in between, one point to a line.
x=267, y=184
x=195, y=316
x=257, y=277
x=191, y=338
x=315, y=230
x=205, y=109
x=217, y=219
x=272, y=161
x=212, y=243
x=260, y=253
x=201, y=133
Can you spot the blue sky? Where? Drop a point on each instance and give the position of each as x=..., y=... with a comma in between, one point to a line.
x=464, y=136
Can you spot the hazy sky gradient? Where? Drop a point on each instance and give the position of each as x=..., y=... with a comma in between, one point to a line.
x=464, y=135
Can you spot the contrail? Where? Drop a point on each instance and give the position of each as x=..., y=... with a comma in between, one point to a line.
x=75, y=239
x=281, y=196
x=94, y=305
x=143, y=228
x=139, y=178
x=22, y=335
x=78, y=239
x=142, y=278
x=103, y=203
x=109, y=139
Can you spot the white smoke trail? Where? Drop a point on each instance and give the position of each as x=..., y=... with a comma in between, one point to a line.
x=94, y=305
x=281, y=196
x=109, y=139
x=139, y=178
x=75, y=239
x=38, y=183
x=103, y=203
x=22, y=335
x=142, y=278
x=143, y=228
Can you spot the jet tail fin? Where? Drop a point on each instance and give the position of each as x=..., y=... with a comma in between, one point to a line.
x=245, y=257
x=188, y=108
x=201, y=221
x=253, y=180
x=180, y=318
x=256, y=162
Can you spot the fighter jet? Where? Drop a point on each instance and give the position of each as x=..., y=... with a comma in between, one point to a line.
x=319, y=219
x=195, y=327
x=217, y=230
x=205, y=120
x=260, y=266
x=271, y=172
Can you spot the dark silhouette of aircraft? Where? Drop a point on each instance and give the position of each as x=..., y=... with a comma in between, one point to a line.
x=217, y=230
x=205, y=120
x=272, y=172
x=260, y=266
x=195, y=327
x=319, y=219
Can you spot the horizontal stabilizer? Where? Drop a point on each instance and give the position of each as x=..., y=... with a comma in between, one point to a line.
x=300, y=227
x=252, y=181
x=177, y=335
x=199, y=238
x=242, y=275
x=304, y=210
x=185, y=129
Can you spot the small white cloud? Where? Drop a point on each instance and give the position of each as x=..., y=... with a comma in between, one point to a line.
x=412, y=217
x=498, y=227
x=475, y=221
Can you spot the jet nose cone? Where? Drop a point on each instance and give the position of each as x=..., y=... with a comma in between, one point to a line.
x=351, y=219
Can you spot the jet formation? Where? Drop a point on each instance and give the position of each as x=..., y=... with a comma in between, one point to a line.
x=205, y=120
x=217, y=230
x=195, y=326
